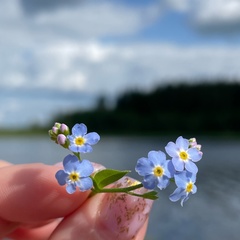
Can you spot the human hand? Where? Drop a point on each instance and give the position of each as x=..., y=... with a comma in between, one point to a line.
x=35, y=207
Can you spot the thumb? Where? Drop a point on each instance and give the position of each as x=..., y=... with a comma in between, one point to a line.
x=107, y=216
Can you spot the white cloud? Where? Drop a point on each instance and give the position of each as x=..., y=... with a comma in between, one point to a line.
x=210, y=15
x=87, y=20
x=218, y=12
x=97, y=67
x=14, y=79
x=91, y=20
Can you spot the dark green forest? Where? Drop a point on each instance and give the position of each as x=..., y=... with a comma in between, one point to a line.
x=197, y=108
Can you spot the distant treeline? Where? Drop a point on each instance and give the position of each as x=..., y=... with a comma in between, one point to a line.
x=198, y=108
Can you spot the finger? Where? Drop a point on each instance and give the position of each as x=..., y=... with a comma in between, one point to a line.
x=29, y=193
x=7, y=227
x=142, y=232
x=107, y=216
x=36, y=233
x=4, y=163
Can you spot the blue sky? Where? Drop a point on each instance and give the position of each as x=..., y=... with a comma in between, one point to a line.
x=58, y=56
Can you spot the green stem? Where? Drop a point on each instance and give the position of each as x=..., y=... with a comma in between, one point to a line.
x=172, y=180
x=77, y=154
x=135, y=194
x=117, y=190
x=127, y=190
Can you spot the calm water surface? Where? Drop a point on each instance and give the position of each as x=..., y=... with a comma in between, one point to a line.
x=212, y=213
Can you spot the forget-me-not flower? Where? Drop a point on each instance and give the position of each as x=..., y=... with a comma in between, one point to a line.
x=155, y=169
x=185, y=182
x=80, y=140
x=75, y=174
x=183, y=156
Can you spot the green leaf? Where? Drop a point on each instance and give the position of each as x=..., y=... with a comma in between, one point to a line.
x=108, y=176
x=149, y=195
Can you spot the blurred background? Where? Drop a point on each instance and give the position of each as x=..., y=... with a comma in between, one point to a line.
x=140, y=73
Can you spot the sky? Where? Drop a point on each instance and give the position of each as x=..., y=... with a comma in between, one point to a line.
x=61, y=55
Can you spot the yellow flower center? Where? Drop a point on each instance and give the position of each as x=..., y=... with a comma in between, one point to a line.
x=158, y=171
x=74, y=176
x=183, y=155
x=189, y=187
x=79, y=141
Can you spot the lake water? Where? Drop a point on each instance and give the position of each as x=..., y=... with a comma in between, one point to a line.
x=212, y=213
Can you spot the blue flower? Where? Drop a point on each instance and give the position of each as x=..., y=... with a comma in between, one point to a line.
x=183, y=156
x=75, y=174
x=185, y=182
x=80, y=141
x=155, y=169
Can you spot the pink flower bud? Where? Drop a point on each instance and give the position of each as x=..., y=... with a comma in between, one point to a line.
x=64, y=129
x=61, y=139
x=55, y=130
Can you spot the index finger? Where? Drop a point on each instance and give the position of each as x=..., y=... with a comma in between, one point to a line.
x=29, y=193
x=4, y=163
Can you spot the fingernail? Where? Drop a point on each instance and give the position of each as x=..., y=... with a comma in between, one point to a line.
x=97, y=167
x=123, y=214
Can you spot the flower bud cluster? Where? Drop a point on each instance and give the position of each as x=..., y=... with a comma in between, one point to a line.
x=59, y=133
x=193, y=144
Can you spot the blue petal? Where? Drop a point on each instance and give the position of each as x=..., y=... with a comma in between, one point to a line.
x=92, y=138
x=85, y=184
x=150, y=182
x=177, y=194
x=82, y=149
x=61, y=177
x=182, y=143
x=71, y=188
x=157, y=157
x=85, y=168
x=85, y=148
x=184, y=199
x=73, y=148
x=194, y=154
x=70, y=163
x=181, y=179
x=79, y=129
x=169, y=169
x=144, y=167
x=163, y=182
x=194, y=190
x=172, y=149
x=71, y=138
x=191, y=167
x=191, y=176
x=178, y=164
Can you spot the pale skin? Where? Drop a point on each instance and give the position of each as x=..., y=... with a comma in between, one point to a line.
x=34, y=206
